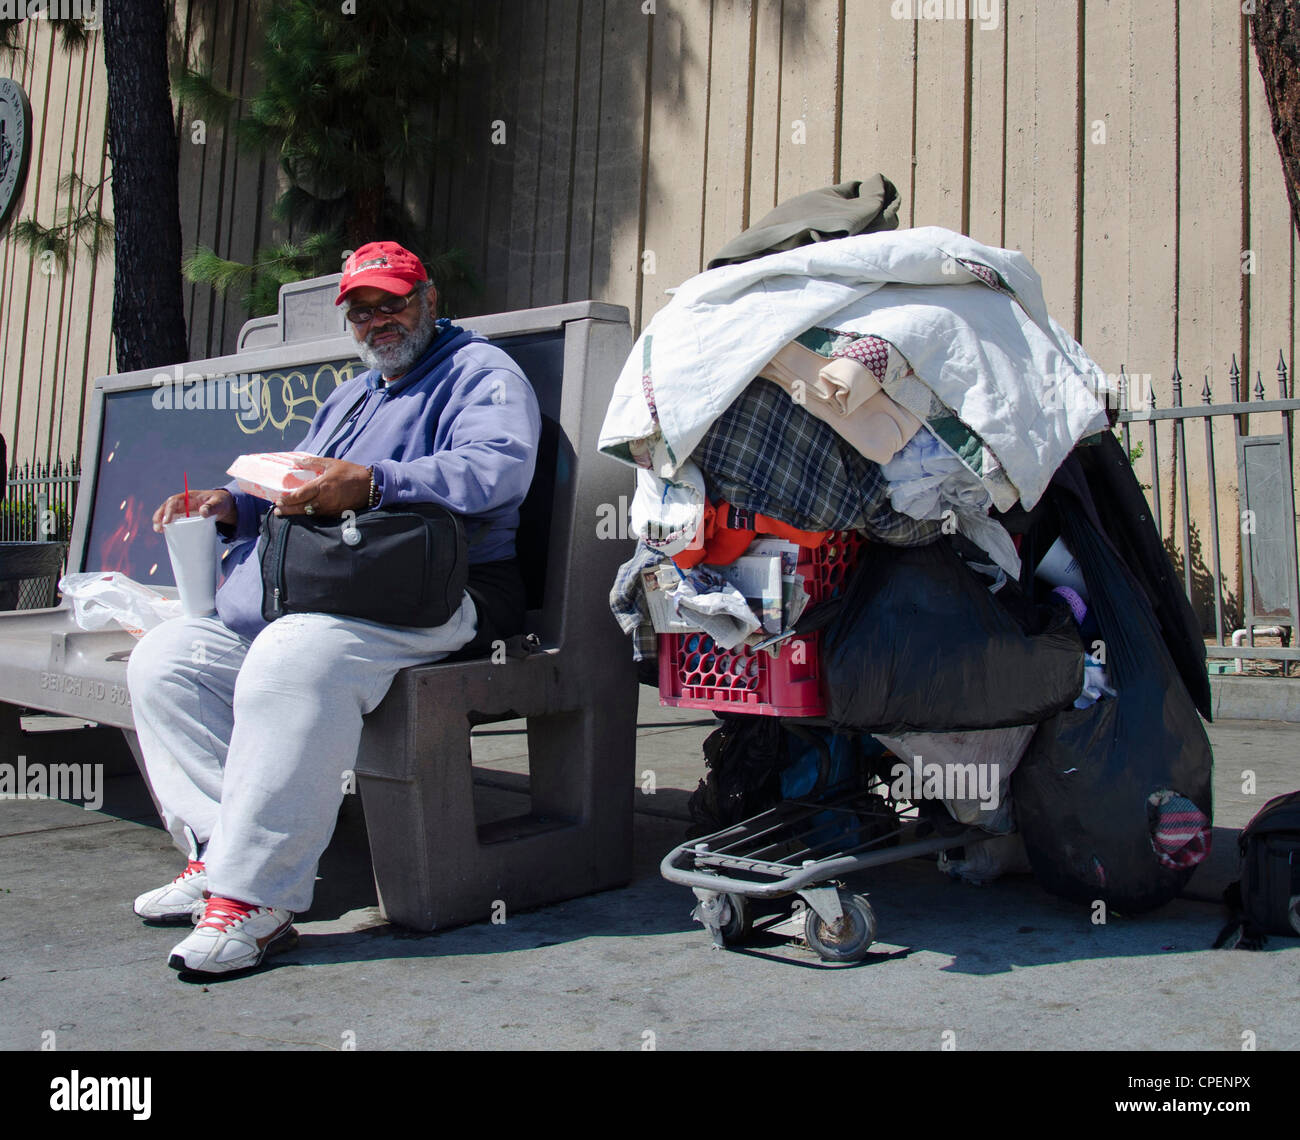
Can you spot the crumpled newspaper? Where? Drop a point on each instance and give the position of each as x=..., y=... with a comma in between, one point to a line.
x=708, y=600
x=108, y=596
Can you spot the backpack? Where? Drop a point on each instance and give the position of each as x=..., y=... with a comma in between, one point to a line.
x=743, y=760
x=1267, y=898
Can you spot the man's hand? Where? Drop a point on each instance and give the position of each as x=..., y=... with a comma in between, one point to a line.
x=219, y=502
x=340, y=486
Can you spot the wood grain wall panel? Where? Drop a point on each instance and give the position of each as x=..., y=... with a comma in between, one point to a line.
x=1270, y=297
x=878, y=104
x=53, y=356
x=20, y=68
x=41, y=381
x=88, y=321
x=766, y=125
x=47, y=91
x=810, y=55
x=1211, y=285
x=196, y=42
x=70, y=325
x=555, y=155
x=1151, y=179
x=1108, y=192
x=1294, y=347
x=216, y=48
x=988, y=124
x=428, y=197
x=620, y=159
x=1211, y=188
x=529, y=123
x=1042, y=199
x=16, y=68
x=10, y=68
x=465, y=225
x=502, y=163
x=727, y=160
x=586, y=152
x=240, y=197
x=941, y=128
x=675, y=176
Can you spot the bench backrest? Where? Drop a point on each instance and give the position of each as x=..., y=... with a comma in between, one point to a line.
x=147, y=429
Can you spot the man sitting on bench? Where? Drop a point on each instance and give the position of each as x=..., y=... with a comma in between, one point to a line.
x=247, y=728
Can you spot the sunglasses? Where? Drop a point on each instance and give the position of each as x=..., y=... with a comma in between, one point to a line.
x=360, y=314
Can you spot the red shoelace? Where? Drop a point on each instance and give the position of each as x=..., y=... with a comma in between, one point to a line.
x=220, y=913
x=193, y=867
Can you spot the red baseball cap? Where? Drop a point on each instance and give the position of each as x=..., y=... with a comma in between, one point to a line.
x=381, y=265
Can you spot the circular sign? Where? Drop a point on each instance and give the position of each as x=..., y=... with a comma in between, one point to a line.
x=15, y=146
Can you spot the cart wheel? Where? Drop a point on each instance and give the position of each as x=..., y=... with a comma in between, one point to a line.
x=740, y=920
x=848, y=939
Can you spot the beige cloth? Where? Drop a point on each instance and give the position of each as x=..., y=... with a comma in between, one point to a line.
x=846, y=395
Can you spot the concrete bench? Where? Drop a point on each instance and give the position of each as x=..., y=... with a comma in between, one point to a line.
x=435, y=866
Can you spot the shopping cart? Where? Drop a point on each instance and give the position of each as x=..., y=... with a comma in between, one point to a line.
x=801, y=848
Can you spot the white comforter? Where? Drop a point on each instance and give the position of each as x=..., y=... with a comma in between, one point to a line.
x=1009, y=371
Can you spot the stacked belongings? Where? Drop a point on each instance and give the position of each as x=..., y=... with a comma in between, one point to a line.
x=1011, y=607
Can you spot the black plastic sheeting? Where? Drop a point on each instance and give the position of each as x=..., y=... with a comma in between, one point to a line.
x=743, y=759
x=1081, y=790
x=921, y=645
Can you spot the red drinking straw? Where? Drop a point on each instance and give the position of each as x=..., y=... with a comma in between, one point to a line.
x=185, y=475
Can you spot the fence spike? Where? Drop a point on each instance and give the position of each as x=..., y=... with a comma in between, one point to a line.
x=1281, y=375
x=1234, y=379
x=1121, y=393
x=1178, y=387
x=1259, y=385
x=1205, y=392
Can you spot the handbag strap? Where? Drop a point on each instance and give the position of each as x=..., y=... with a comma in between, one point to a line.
x=345, y=421
x=471, y=538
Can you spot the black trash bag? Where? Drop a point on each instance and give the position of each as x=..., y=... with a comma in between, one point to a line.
x=1100, y=787
x=743, y=761
x=1125, y=518
x=921, y=645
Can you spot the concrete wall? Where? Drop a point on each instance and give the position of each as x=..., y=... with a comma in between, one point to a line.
x=1123, y=145
x=55, y=323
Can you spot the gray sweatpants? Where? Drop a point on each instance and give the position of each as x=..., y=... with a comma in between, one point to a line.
x=248, y=743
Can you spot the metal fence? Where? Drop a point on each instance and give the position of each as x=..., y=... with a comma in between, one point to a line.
x=40, y=502
x=1269, y=601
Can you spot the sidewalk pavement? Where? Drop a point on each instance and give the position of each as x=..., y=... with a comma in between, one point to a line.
x=1005, y=966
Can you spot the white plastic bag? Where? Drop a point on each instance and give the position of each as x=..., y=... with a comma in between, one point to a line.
x=984, y=862
x=102, y=598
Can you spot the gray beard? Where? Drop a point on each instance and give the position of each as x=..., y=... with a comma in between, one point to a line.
x=393, y=360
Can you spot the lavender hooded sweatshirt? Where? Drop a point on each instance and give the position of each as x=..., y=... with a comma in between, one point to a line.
x=460, y=429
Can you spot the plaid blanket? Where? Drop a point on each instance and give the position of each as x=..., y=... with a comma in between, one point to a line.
x=765, y=453
x=627, y=602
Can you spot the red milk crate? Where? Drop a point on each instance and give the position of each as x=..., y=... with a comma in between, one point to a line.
x=695, y=673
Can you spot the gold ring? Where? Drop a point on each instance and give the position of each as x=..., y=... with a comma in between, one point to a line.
x=310, y=508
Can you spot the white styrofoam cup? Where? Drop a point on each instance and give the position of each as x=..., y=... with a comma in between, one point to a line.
x=192, y=545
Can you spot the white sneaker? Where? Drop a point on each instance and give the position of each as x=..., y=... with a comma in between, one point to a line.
x=176, y=901
x=233, y=935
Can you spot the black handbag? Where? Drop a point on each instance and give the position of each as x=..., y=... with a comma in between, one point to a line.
x=406, y=565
